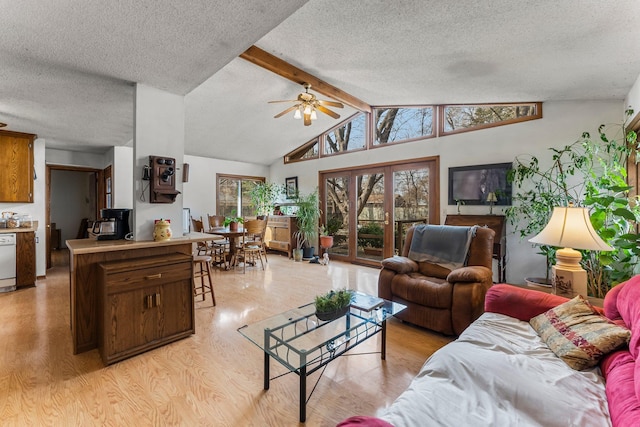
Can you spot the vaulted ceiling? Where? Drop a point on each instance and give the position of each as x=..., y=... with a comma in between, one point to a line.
x=68, y=68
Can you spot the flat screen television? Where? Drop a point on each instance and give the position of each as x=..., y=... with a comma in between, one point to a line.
x=471, y=185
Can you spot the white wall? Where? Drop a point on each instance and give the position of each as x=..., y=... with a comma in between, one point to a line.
x=37, y=208
x=633, y=99
x=158, y=131
x=200, y=191
x=123, y=174
x=562, y=123
x=76, y=158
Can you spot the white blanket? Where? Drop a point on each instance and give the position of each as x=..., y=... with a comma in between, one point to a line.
x=499, y=373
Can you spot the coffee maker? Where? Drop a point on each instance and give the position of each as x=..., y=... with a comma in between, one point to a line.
x=114, y=224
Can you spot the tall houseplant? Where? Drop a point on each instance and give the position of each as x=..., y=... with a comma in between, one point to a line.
x=307, y=216
x=591, y=173
x=263, y=197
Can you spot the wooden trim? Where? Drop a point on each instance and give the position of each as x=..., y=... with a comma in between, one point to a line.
x=282, y=68
x=384, y=164
x=633, y=168
x=11, y=133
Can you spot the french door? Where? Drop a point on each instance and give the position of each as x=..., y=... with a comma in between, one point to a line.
x=368, y=209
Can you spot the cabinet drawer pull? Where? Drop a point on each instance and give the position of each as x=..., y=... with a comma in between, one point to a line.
x=148, y=303
x=153, y=276
x=157, y=300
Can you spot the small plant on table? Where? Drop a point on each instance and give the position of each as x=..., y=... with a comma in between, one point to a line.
x=333, y=304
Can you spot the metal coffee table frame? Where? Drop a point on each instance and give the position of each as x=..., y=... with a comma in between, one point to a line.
x=303, y=344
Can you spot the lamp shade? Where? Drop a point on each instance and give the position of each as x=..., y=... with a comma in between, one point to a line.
x=491, y=197
x=570, y=227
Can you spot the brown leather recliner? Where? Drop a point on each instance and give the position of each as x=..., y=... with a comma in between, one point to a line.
x=436, y=297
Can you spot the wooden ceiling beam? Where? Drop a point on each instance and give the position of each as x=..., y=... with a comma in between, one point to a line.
x=282, y=68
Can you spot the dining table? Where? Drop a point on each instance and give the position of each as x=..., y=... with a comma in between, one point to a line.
x=232, y=236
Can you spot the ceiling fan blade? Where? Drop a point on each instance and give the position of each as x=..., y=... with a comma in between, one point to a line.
x=307, y=119
x=286, y=100
x=293, y=107
x=331, y=103
x=327, y=111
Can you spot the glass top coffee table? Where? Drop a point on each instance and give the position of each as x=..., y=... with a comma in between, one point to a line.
x=302, y=343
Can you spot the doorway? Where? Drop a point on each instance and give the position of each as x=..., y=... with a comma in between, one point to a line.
x=368, y=209
x=73, y=195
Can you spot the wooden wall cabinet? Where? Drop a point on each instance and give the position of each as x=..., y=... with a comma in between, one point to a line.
x=16, y=166
x=144, y=303
x=25, y=259
x=280, y=233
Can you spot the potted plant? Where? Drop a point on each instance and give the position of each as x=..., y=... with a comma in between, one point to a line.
x=263, y=197
x=590, y=173
x=307, y=217
x=232, y=221
x=326, y=240
x=333, y=304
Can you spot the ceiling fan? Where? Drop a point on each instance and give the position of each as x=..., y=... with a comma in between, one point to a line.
x=306, y=106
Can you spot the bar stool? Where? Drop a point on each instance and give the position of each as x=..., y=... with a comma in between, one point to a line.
x=202, y=269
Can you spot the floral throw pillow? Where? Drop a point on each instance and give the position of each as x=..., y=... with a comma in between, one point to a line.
x=578, y=334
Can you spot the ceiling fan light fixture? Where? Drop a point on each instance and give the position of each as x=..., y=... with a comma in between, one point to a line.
x=307, y=109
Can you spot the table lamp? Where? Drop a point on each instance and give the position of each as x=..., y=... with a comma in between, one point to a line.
x=491, y=198
x=570, y=228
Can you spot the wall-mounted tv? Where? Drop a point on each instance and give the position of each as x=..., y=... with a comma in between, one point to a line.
x=471, y=185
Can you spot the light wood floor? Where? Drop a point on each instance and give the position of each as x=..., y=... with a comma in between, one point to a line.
x=213, y=378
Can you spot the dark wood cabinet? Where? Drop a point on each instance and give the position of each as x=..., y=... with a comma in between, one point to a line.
x=497, y=224
x=25, y=259
x=280, y=234
x=16, y=162
x=144, y=303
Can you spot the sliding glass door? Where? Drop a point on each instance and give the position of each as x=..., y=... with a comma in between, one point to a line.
x=369, y=209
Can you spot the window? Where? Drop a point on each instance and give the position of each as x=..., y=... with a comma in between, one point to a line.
x=307, y=151
x=402, y=124
x=393, y=124
x=233, y=195
x=347, y=137
x=461, y=118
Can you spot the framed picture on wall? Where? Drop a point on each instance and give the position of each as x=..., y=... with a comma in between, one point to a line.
x=473, y=185
x=291, y=187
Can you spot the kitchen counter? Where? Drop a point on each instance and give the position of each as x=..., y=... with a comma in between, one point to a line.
x=89, y=246
x=25, y=254
x=85, y=258
x=33, y=228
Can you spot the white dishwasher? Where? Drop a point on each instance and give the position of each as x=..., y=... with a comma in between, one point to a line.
x=7, y=262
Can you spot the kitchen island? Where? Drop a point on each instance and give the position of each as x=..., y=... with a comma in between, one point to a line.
x=89, y=258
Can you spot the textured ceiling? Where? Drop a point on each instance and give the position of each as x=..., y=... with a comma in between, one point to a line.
x=67, y=68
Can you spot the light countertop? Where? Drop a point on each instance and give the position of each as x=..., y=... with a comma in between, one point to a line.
x=34, y=227
x=88, y=246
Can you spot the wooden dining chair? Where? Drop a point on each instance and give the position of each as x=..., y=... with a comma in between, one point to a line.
x=202, y=248
x=220, y=246
x=250, y=249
